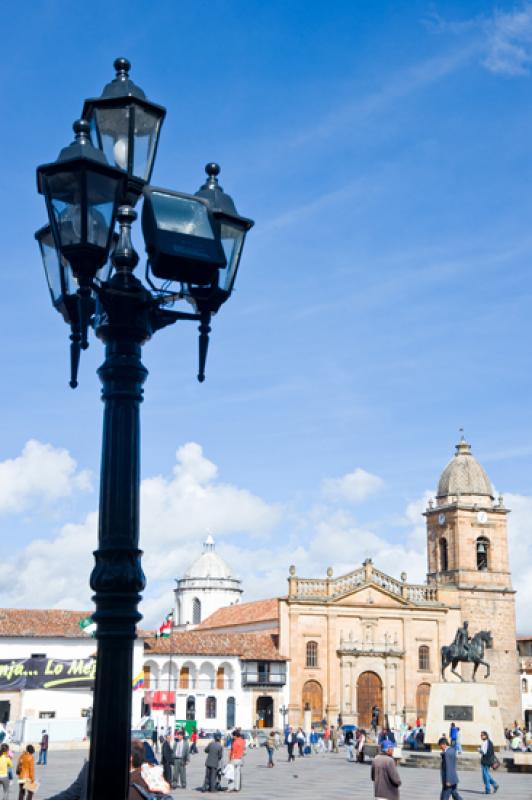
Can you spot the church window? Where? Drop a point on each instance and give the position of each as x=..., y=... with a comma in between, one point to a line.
x=210, y=708
x=444, y=555
x=196, y=611
x=424, y=658
x=312, y=654
x=482, y=553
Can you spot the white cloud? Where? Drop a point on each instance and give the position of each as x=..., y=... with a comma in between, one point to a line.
x=503, y=40
x=509, y=41
x=253, y=536
x=354, y=487
x=42, y=474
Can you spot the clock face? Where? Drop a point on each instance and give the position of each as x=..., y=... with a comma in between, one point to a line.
x=482, y=517
x=441, y=519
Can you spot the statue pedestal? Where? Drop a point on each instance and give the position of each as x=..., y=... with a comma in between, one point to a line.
x=473, y=707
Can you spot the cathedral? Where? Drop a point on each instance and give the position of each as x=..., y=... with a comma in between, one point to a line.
x=367, y=638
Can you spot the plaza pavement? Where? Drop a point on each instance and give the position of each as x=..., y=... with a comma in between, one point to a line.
x=324, y=776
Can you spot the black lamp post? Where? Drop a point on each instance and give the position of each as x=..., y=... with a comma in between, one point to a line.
x=186, y=244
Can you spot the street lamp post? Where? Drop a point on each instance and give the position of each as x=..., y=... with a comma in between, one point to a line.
x=190, y=240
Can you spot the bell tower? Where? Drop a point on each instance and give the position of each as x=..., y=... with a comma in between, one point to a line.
x=467, y=550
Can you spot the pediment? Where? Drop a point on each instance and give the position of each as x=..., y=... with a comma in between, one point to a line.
x=370, y=594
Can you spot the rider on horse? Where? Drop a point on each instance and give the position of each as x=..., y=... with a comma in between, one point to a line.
x=462, y=640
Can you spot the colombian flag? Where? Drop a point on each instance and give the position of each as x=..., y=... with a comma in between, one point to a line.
x=138, y=682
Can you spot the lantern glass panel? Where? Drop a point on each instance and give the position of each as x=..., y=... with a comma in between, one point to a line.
x=100, y=205
x=110, y=129
x=232, y=236
x=59, y=276
x=181, y=215
x=146, y=129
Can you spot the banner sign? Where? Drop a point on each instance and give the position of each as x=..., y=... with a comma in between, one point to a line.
x=160, y=701
x=47, y=673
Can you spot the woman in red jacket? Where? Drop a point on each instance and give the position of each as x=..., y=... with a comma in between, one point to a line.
x=238, y=748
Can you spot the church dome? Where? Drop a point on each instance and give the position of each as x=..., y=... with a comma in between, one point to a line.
x=209, y=565
x=463, y=475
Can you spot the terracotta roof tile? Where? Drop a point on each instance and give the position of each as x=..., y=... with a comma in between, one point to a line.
x=46, y=623
x=42, y=622
x=248, y=646
x=243, y=614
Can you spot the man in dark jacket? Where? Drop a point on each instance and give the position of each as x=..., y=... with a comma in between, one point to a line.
x=213, y=763
x=487, y=760
x=449, y=775
x=167, y=759
x=384, y=773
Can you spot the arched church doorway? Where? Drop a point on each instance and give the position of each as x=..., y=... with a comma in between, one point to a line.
x=313, y=698
x=422, y=701
x=369, y=694
x=265, y=712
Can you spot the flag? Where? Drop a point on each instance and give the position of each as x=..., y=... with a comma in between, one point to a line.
x=166, y=628
x=138, y=681
x=88, y=626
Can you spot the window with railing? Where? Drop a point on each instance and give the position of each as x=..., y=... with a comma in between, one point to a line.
x=264, y=673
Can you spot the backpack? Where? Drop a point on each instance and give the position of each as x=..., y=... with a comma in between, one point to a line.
x=147, y=795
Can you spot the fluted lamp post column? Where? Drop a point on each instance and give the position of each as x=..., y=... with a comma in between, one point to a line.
x=89, y=269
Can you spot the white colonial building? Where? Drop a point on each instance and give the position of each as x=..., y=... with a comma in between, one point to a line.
x=207, y=585
x=47, y=667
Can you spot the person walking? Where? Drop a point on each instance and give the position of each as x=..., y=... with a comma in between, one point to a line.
x=290, y=742
x=385, y=774
x=349, y=736
x=43, y=752
x=26, y=773
x=213, y=763
x=334, y=739
x=238, y=749
x=6, y=768
x=270, y=747
x=360, y=743
x=327, y=739
x=449, y=775
x=154, y=741
x=300, y=739
x=487, y=760
x=167, y=759
x=181, y=759
x=194, y=741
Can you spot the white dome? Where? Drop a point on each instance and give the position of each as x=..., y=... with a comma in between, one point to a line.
x=209, y=565
x=463, y=475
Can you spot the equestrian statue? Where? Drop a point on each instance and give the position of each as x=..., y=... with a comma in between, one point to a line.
x=466, y=649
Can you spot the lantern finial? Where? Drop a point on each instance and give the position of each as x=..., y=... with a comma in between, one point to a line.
x=122, y=66
x=82, y=130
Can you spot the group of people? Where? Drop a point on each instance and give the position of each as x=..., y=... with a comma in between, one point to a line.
x=24, y=771
x=519, y=738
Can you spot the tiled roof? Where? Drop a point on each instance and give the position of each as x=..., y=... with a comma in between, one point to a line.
x=243, y=614
x=42, y=623
x=46, y=623
x=248, y=646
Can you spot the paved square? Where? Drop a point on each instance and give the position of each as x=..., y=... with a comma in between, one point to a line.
x=329, y=776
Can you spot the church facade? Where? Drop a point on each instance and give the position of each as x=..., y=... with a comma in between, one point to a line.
x=366, y=638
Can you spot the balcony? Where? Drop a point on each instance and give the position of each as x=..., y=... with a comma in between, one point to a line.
x=264, y=678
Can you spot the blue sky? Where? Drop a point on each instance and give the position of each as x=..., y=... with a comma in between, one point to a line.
x=384, y=150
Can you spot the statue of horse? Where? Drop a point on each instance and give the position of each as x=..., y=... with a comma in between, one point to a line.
x=451, y=654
